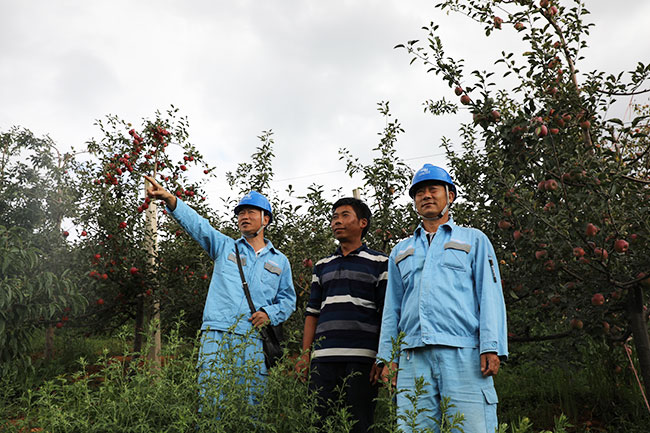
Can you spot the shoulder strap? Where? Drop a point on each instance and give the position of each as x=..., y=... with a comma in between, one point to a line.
x=243, y=281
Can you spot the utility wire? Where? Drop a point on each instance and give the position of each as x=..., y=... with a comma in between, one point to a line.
x=342, y=171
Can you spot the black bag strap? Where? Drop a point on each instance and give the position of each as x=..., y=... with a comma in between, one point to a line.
x=243, y=281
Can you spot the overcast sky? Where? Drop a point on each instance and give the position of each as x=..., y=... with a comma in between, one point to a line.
x=312, y=71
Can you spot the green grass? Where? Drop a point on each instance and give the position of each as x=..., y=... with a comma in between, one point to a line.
x=84, y=389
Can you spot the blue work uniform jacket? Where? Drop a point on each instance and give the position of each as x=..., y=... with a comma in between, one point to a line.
x=268, y=275
x=447, y=293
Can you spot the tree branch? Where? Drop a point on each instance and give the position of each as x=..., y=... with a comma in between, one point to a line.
x=623, y=93
x=528, y=338
x=634, y=179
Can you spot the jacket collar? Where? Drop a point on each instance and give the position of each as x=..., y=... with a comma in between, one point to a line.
x=269, y=245
x=449, y=225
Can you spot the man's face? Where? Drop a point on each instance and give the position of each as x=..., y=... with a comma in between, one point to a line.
x=345, y=224
x=430, y=199
x=249, y=220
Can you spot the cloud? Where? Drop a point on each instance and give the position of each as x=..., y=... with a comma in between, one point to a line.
x=311, y=71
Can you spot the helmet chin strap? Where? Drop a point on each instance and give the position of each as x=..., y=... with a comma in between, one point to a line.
x=258, y=230
x=442, y=212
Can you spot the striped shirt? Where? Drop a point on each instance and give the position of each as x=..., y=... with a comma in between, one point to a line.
x=347, y=296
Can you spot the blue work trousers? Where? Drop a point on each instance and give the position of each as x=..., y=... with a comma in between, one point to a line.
x=231, y=366
x=451, y=372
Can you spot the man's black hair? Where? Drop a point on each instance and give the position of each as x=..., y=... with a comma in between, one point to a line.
x=360, y=209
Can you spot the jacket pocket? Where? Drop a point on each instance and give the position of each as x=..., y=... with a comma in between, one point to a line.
x=455, y=255
x=271, y=274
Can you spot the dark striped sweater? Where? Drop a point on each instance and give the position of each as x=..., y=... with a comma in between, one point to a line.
x=347, y=296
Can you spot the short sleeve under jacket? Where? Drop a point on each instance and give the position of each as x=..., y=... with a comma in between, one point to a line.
x=347, y=296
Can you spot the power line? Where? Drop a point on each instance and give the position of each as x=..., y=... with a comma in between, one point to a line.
x=343, y=171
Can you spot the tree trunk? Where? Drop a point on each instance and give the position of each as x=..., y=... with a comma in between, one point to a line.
x=151, y=242
x=139, y=325
x=640, y=334
x=49, y=343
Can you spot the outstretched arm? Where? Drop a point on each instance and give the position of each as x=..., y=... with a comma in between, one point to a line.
x=195, y=225
x=156, y=191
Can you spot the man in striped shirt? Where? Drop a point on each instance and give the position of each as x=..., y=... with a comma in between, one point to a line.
x=343, y=317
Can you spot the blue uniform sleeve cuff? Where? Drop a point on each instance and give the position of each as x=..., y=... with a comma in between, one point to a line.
x=489, y=346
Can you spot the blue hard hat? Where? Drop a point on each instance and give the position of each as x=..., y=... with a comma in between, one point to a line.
x=255, y=199
x=428, y=173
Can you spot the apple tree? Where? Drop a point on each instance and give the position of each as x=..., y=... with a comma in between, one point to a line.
x=131, y=272
x=560, y=185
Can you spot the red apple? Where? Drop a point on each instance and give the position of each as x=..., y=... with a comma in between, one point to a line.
x=585, y=124
x=84, y=233
x=602, y=253
x=550, y=185
x=204, y=276
x=578, y=252
x=65, y=233
x=576, y=324
x=183, y=168
x=516, y=235
x=591, y=230
x=465, y=100
x=540, y=254
x=598, y=299
x=621, y=246
x=307, y=263
x=497, y=22
x=133, y=270
x=543, y=4
x=59, y=324
x=206, y=171
x=122, y=225
x=100, y=301
x=519, y=26
x=541, y=131
x=549, y=265
x=458, y=91
x=504, y=225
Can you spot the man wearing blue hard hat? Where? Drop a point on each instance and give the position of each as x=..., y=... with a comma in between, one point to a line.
x=444, y=294
x=266, y=270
